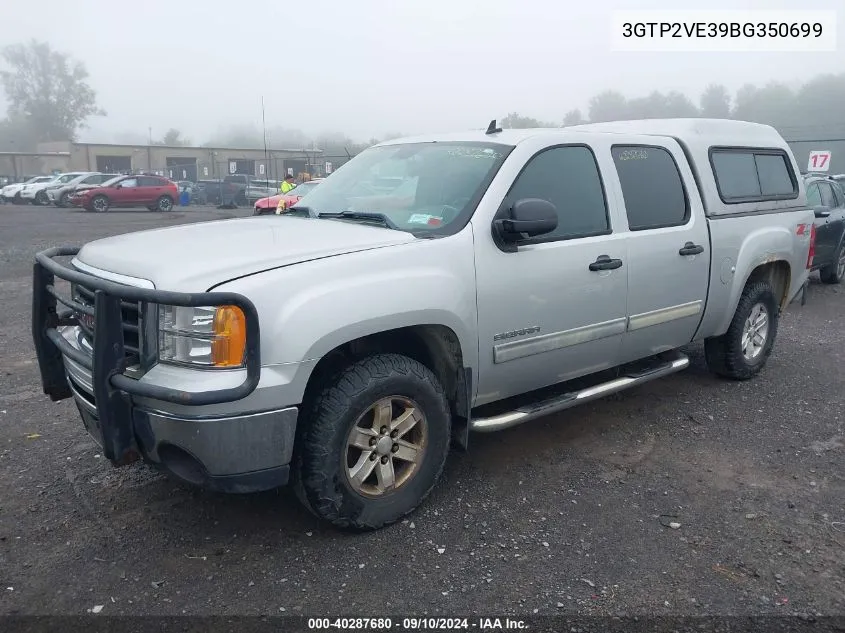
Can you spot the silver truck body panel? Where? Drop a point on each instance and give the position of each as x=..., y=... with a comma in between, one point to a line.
x=195, y=257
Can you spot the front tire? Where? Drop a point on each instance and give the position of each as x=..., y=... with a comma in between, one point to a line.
x=100, y=204
x=373, y=443
x=63, y=201
x=835, y=271
x=742, y=351
x=41, y=199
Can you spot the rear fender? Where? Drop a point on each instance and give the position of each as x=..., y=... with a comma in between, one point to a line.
x=762, y=246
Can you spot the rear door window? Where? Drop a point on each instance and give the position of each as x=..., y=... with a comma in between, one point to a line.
x=828, y=199
x=838, y=194
x=651, y=186
x=814, y=197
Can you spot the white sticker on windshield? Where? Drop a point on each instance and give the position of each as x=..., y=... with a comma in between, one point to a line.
x=424, y=218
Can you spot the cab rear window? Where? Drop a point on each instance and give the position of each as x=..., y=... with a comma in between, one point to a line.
x=753, y=175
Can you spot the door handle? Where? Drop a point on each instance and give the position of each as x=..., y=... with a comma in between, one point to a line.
x=691, y=249
x=604, y=262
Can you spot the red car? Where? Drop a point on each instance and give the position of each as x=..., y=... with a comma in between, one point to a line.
x=154, y=192
x=266, y=206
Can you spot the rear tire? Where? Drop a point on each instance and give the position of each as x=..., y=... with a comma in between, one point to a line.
x=742, y=351
x=835, y=271
x=164, y=204
x=360, y=422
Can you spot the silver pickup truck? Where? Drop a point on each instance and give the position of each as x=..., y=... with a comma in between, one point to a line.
x=346, y=344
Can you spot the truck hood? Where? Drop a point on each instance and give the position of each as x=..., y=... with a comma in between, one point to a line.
x=195, y=257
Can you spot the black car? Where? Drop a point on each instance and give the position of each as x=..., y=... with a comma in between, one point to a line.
x=827, y=198
x=215, y=192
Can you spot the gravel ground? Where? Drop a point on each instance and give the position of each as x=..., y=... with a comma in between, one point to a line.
x=570, y=514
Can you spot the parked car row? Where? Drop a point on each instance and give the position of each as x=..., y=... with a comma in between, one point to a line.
x=12, y=193
x=95, y=191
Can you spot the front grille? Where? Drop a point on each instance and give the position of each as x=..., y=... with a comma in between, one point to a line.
x=130, y=317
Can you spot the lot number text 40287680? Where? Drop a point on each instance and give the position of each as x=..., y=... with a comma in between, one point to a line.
x=416, y=624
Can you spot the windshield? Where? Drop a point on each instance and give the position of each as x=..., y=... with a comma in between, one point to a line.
x=302, y=189
x=419, y=186
x=111, y=181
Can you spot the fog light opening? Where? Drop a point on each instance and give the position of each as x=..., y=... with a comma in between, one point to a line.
x=182, y=464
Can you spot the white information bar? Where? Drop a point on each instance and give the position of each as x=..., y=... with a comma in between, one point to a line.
x=724, y=31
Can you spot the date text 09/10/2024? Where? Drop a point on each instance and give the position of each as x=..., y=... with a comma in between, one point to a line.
x=416, y=624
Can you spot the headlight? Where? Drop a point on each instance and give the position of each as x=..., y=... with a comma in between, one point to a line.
x=205, y=336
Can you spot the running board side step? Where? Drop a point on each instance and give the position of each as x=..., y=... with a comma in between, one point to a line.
x=674, y=363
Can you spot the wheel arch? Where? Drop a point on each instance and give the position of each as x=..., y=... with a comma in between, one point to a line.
x=435, y=346
x=777, y=274
x=774, y=269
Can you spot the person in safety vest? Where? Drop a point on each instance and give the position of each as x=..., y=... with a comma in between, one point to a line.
x=287, y=184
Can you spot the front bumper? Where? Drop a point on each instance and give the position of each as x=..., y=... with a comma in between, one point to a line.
x=235, y=452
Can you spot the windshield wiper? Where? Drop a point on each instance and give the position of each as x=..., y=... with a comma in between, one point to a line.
x=362, y=215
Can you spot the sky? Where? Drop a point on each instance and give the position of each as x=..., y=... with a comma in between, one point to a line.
x=370, y=67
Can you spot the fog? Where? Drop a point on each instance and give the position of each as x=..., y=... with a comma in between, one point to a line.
x=370, y=67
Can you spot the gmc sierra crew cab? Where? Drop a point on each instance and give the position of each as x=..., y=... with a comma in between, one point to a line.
x=345, y=345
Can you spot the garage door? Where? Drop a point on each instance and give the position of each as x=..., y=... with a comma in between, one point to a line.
x=242, y=166
x=114, y=164
x=181, y=168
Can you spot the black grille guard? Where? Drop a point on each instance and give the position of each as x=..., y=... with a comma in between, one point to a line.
x=111, y=387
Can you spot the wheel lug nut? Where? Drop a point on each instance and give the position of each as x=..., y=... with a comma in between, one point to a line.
x=393, y=434
x=384, y=459
x=373, y=457
x=394, y=448
x=383, y=430
x=372, y=441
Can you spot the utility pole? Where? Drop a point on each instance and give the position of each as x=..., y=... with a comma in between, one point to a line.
x=264, y=126
x=150, y=151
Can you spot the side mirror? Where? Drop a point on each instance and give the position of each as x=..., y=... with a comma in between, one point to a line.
x=118, y=186
x=527, y=218
x=822, y=211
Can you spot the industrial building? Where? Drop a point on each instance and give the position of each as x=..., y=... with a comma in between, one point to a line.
x=176, y=162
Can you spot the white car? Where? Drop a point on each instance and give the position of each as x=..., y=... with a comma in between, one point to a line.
x=12, y=193
x=37, y=192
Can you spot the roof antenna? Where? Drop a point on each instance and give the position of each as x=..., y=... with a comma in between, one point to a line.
x=492, y=129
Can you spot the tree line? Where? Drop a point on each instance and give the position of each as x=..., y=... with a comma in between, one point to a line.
x=49, y=99
x=810, y=111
